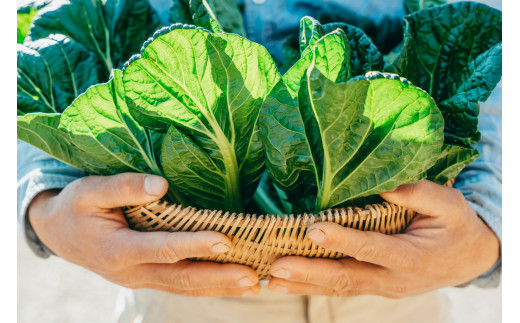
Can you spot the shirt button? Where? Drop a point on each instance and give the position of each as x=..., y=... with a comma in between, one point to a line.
x=259, y=1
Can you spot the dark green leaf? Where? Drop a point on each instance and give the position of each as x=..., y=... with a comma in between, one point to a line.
x=440, y=44
x=364, y=56
x=52, y=72
x=112, y=29
x=214, y=15
x=476, y=82
x=452, y=160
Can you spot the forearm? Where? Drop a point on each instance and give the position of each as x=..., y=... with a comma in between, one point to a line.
x=481, y=181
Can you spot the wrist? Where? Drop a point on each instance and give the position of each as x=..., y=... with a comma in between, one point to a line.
x=39, y=213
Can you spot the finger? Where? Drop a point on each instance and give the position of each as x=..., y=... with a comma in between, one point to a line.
x=427, y=198
x=120, y=190
x=188, y=275
x=368, y=246
x=210, y=292
x=129, y=247
x=345, y=274
x=289, y=287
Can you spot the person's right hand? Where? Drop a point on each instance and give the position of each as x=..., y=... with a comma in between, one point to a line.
x=84, y=224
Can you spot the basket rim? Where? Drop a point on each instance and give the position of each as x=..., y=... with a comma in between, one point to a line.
x=362, y=212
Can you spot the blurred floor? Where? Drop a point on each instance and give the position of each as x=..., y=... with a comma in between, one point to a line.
x=52, y=291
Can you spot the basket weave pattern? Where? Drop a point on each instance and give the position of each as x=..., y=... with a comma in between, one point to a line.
x=259, y=240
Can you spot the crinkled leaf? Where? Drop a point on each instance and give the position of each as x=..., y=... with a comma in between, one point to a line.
x=52, y=72
x=112, y=29
x=364, y=56
x=450, y=163
x=214, y=15
x=412, y=6
x=440, y=44
x=210, y=88
x=348, y=140
x=310, y=31
x=476, y=82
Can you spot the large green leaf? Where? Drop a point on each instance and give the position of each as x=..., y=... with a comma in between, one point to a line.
x=213, y=15
x=348, y=140
x=100, y=123
x=440, y=44
x=450, y=163
x=52, y=72
x=96, y=133
x=206, y=89
x=289, y=150
x=42, y=131
x=112, y=29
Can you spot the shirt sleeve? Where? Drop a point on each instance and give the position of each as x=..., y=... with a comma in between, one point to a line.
x=481, y=181
x=38, y=172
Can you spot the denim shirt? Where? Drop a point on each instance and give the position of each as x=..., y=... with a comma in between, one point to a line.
x=268, y=22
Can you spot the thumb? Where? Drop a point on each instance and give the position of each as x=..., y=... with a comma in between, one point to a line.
x=121, y=190
x=427, y=198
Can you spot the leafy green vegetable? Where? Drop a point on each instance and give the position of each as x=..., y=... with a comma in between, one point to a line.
x=364, y=55
x=455, y=53
x=350, y=139
x=112, y=29
x=207, y=89
x=23, y=21
x=208, y=110
x=214, y=15
x=440, y=44
x=52, y=72
x=99, y=123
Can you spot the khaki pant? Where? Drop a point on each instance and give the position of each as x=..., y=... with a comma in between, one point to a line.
x=156, y=307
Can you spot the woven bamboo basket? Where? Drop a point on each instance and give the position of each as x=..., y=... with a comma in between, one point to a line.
x=258, y=240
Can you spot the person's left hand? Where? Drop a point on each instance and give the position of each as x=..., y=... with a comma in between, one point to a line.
x=445, y=245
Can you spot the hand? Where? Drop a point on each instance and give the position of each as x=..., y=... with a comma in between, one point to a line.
x=446, y=244
x=84, y=224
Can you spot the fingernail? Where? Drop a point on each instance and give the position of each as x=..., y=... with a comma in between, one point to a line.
x=220, y=248
x=246, y=281
x=154, y=185
x=282, y=273
x=248, y=293
x=316, y=234
x=280, y=289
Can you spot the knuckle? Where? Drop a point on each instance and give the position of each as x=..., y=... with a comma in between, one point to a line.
x=110, y=260
x=342, y=282
x=410, y=264
x=366, y=251
x=400, y=291
x=168, y=253
x=182, y=281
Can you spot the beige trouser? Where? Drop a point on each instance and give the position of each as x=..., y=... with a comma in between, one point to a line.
x=156, y=307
